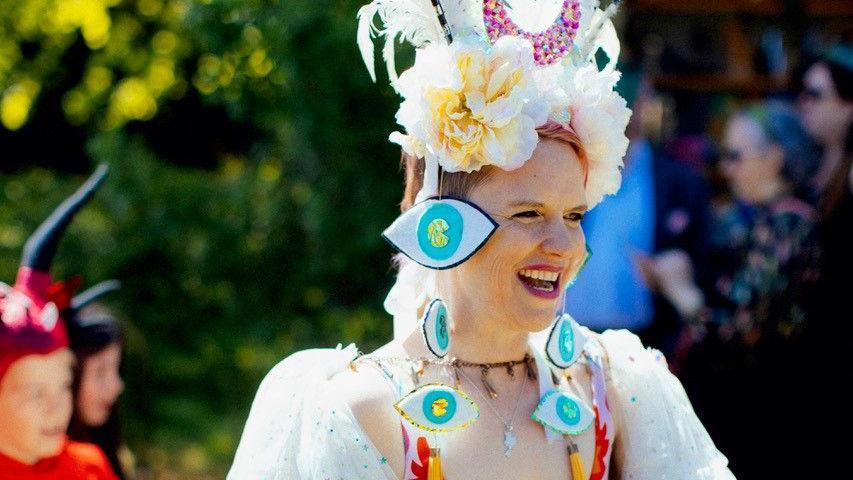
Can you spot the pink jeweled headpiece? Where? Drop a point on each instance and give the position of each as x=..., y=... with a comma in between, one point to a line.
x=549, y=45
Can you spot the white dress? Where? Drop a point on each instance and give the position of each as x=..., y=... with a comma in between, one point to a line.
x=297, y=429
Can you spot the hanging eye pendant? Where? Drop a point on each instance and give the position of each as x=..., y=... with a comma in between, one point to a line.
x=563, y=413
x=565, y=342
x=435, y=328
x=438, y=408
x=440, y=233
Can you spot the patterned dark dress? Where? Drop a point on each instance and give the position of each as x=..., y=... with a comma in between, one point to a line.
x=741, y=373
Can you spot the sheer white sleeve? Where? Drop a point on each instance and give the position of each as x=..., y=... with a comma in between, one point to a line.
x=658, y=436
x=299, y=429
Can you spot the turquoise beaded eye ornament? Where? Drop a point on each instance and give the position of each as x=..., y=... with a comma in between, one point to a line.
x=563, y=413
x=435, y=328
x=438, y=408
x=566, y=342
x=440, y=233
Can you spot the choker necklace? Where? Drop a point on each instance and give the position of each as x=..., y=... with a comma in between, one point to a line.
x=418, y=365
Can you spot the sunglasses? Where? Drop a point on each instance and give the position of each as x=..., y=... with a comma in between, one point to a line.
x=812, y=93
x=730, y=156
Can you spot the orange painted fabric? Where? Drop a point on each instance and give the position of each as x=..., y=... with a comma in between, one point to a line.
x=76, y=461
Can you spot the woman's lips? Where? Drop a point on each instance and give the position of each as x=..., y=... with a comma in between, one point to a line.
x=553, y=294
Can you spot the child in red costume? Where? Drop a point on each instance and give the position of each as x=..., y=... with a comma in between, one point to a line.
x=36, y=364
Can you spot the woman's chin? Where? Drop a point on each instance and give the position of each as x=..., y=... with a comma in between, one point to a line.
x=538, y=312
x=534, y=320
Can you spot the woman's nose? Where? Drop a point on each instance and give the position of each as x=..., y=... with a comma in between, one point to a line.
x=561, y=239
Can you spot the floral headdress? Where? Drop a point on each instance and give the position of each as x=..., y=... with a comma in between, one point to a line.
x=481, y=84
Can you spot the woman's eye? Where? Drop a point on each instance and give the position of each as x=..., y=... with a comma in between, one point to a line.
x=438, y=408
x=574, y=217
x=526, y=214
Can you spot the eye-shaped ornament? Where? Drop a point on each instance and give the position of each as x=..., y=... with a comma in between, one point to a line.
x=441, y=233
x=565, y=342
x=438, y=408
x=436, y=329
x=563, y=413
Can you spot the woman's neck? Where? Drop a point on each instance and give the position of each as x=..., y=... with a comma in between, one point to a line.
x=829, y=164
x=480, y=335
x=486, y=341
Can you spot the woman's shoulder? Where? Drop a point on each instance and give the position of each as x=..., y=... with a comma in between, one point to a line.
x=322, y=362
x=653, y=413
x=304, y=401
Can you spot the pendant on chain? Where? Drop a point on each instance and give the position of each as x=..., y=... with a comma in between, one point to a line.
x=509, y=440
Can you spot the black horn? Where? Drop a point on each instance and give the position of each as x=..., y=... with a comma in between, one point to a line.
x=41, y=246
x=93, y=293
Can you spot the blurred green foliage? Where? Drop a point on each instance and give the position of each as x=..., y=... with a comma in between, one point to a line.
x=250, y=180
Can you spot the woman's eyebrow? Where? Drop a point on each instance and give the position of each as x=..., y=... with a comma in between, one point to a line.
x=534, y=204
x=527, y=203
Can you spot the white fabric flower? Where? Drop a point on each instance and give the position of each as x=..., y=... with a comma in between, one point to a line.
x=583, y=99
x=472, y=105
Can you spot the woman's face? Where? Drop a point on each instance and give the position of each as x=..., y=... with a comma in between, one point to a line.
x=748, y=162
x=826, y=116
x=519, y=274
x=100, y=385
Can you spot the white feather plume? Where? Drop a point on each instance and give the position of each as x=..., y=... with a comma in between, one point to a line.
x=414, y=21
x=602, y=35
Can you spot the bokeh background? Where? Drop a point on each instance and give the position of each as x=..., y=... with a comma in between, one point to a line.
x=251, y=175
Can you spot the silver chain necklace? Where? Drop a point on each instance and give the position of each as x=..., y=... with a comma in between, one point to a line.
x=509, y=437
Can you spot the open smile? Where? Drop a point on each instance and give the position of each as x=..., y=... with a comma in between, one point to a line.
x=542, y=281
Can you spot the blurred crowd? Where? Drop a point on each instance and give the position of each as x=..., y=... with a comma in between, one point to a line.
x=732, y=256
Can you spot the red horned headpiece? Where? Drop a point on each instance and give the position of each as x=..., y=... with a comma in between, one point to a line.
x=32, y=311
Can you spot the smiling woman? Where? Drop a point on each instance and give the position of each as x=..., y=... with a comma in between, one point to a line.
x=508, y=142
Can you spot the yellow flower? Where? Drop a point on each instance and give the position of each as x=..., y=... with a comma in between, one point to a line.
x=472, y=107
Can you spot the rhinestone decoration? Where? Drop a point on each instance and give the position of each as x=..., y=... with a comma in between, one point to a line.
x=549, y=45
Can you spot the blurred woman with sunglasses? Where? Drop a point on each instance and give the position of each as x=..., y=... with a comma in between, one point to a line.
x=747, y=330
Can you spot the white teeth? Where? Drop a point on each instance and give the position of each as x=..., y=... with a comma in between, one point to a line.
x=540, y=275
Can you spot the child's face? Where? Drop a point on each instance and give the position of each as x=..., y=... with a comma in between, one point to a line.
x=100, y=385
x=35, y=405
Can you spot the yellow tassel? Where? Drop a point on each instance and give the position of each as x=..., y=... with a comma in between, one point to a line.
x=576, y=462
x=434, y=466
